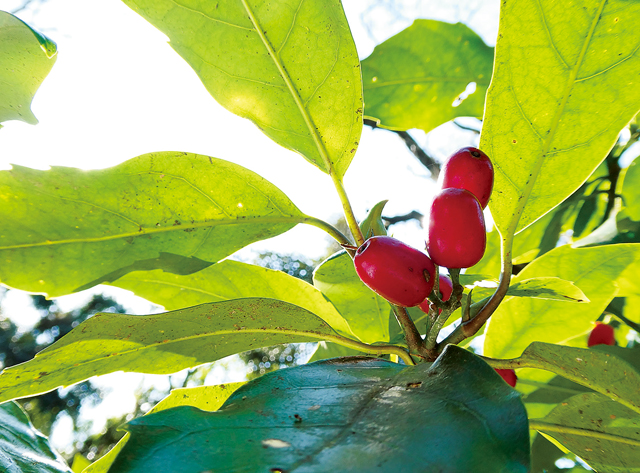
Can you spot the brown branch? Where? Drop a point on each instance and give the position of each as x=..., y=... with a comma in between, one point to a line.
x=413, y=215
x=427, y=161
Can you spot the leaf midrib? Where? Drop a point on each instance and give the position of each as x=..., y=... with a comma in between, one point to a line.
x=142, y=348
x=150, y=231
x=526, y=193
x=275, y=57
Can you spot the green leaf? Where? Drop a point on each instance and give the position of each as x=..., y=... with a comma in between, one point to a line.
x=162, y=343
x=291, y=67
x=65, y=230
x=601, y=371
x=548, y=288
x=414, y=79
x=365, y=311
x=327, y=350
x=631, y=191
x=602, y=432
x=518, y=321
x=372, y=223
x=22, y=448
x=26, y=57
x=206, y=398
x=231, y=280
x=587, y=210
x=356, y=415
x=560, y=94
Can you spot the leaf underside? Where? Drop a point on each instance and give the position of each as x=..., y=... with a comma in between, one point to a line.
x=348, y=414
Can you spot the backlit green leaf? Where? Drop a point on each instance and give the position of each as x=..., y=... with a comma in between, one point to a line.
x=162, y=343
x=415, y=78
x=22, y=448
x=564, y=85
x=26, y=57
x=602, y=432
x=604, y=372
x=65, y=230
x=365, y=311
x=290, y=66
x=231, y=280
x=631, y=191
x=548, y=288
x=356, y=415
x=522, y=320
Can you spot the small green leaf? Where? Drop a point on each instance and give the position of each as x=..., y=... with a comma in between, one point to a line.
x=602, y=432
x=22, y=448
x=162, y=343
x=365, y=311
x=415, y=78
x=206, y=398
x=231, y=280
x=65, y=230
x=548, y=288
x=587, y=209
x=372, y=225
x=26, y=57
x=558, y=99
x=518, y=321
x=601, y=371
x=291, y=67
x=356, y=415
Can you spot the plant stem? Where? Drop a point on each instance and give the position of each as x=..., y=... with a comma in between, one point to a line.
x=630, y=323
x=373, y=349
x=327, y=227
x=411, y=334
x=346, y=207
x=541, y=425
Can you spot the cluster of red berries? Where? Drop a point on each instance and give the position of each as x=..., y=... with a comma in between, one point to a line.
x=456, y=236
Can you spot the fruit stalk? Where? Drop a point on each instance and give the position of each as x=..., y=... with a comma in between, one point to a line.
x=411, y=334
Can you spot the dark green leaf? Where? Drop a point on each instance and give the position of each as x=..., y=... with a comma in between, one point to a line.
x=231, y=280
x=291, y=67
x=353, y=414
x=162, y=343
x=26, y=57
x=365, y=311
x=415, y=78
x=602, y=432
x=65, y=230
x=207, y=398
x=584, y=215
x=560, y=94
x=22, y=448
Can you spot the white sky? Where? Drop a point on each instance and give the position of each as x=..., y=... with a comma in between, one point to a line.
x=118, y=90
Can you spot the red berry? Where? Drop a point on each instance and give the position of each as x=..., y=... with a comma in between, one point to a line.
x=509, y=376
x=602, y=334
x=445, y=286
x=457, y=235
x=470, y=169
x=395, y=271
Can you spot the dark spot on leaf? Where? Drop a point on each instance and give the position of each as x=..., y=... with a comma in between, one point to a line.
x=414, y=385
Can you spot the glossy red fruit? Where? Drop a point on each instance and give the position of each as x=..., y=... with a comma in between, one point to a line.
x=445, y=286
x=457, y=235
x=470, y=169
x=602, y=334
x=395, y=271
x=509, y=376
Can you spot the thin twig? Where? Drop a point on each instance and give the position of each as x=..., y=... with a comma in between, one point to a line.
x=427, y=161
